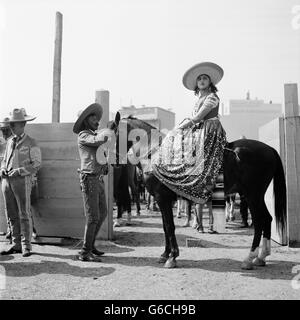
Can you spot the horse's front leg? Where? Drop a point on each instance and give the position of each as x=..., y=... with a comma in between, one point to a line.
x=165, y=255
x=171, y=249
x=171, y=262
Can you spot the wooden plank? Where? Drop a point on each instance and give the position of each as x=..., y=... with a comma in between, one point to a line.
x=59, y=208
x=59, y=169
x=63, y=188
x=51, y=131
x=48, y=240
x=59, y=150
x=64, y=227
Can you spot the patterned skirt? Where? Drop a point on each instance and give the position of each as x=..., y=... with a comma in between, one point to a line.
x=188, y=161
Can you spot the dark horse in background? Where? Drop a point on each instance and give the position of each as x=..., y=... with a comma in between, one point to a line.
x=125, y=177
x=248, y=166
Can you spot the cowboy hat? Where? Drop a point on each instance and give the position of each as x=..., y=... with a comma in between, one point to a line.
x=214, y=71
x=94, y=108
x=18, y=115
x=4, y=124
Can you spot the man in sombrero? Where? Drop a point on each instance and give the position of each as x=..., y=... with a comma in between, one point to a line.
x=91, y=177
x=22, y=159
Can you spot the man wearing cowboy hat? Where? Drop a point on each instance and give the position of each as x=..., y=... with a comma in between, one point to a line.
x=22, y=159
x=91, y=177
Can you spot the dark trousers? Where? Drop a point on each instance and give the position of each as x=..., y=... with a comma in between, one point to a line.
x=95, y=209
x=16, y=193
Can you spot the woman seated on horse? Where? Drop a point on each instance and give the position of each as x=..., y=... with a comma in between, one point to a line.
x=191, y=156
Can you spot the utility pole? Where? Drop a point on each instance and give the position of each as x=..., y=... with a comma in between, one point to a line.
x=57, y=68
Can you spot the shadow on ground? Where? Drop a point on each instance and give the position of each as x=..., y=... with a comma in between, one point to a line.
x=29, y=269
x=151, y=239
x=280, y=270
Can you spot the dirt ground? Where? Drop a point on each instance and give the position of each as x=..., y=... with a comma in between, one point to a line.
x=129, y=270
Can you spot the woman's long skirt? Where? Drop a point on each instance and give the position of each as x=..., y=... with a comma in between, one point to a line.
x=188, y=161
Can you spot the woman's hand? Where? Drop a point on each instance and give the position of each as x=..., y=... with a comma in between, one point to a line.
x=185, y=124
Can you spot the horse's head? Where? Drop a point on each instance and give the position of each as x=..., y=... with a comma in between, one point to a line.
x=132, y=134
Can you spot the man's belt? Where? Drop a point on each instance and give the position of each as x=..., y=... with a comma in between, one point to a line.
x=89, y=174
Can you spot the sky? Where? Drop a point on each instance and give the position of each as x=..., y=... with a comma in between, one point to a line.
x=140, y=49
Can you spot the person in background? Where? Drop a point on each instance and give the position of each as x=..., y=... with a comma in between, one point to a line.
x=198, y=222
x=188, y=213
x=244, y=211
x=180, y=207
x=22, y=159
x=91, y=177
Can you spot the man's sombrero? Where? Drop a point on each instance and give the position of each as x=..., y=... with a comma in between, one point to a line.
x=18, y=115
x=94, y=108
x=4, y=123
x=214, y=71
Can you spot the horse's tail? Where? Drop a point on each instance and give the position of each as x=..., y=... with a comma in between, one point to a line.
x=279, y=187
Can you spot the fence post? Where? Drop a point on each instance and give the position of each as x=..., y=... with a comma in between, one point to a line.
x=102, y=97
x=292, y=159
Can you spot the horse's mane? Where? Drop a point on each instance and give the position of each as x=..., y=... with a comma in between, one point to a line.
x=139, y=122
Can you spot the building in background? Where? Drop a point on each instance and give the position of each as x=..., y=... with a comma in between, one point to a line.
x=159, y=118
x=247, y=115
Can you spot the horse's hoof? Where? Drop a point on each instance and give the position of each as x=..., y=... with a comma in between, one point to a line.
x=162, y=259
x=259, y=262
x=246, y=265
x=170, y=264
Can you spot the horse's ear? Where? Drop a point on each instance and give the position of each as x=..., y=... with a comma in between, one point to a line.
x=117, y=118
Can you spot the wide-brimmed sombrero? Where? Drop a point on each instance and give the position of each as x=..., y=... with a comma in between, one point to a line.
x=94, y=108
x=3, y=123
x=214, y=71
x=18, y=115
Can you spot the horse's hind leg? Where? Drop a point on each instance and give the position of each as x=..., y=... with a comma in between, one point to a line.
x=256, y=207
x=266, y=247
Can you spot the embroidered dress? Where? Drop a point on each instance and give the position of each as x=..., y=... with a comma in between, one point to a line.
x=189, y=161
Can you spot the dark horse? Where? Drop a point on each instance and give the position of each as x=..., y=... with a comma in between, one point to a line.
x=125, y=177
x=248, y=166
